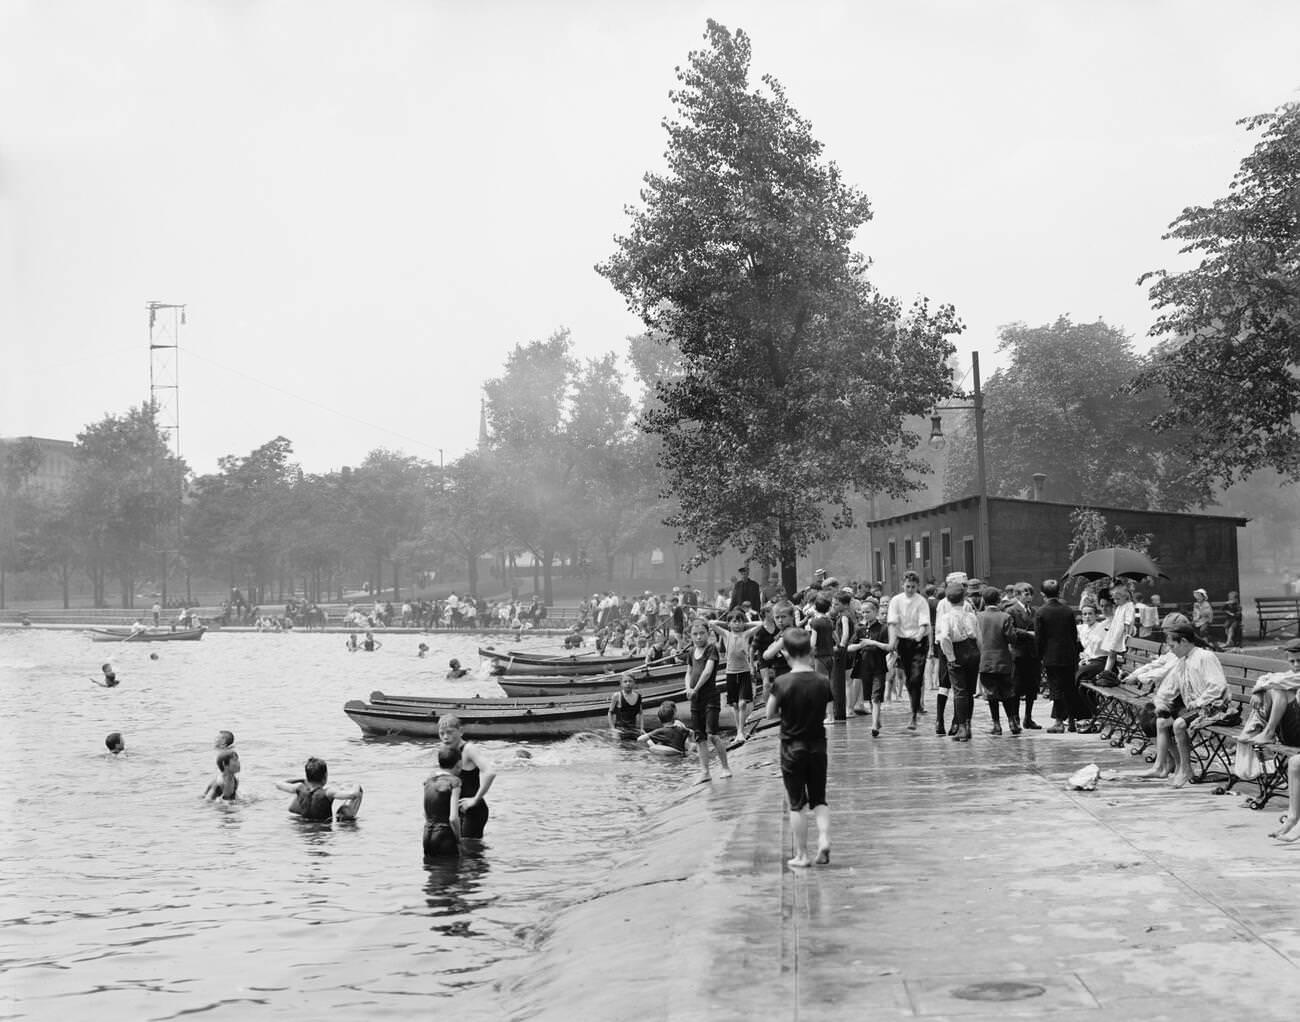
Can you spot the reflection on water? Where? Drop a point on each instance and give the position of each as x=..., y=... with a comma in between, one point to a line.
x=119, y=883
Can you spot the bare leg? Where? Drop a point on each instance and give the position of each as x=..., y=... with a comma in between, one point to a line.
x=1276, y=709
x=822, y=814
x=1184, y=742
x=1290, y=829
x=875, y=716
x=799, y=830
x=702, y=746
x=721, y=746
x=1162, y=766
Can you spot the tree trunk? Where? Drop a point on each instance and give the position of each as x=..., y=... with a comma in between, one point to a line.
x=471, y=572
x=547, y=592
x=397, y=585
x=789, y=558
x=536, y=576
x=65, y=580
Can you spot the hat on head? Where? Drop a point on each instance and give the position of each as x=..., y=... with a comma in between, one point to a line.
x=1200, y=592
x=832, y=581
x=743, y=569
x=1293, y=646
x=847, y=589
x=1181, y=631
x=955, y=576
x=820, y=571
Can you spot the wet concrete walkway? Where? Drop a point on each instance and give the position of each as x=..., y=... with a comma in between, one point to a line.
x=965, y=883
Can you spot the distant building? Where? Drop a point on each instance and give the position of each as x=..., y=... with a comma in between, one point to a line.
x=1029, y=541
x=58, y=458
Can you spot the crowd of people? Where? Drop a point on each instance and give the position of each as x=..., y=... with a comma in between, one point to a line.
x=972, y=642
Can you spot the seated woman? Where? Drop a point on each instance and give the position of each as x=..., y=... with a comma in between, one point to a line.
x=1092, y=660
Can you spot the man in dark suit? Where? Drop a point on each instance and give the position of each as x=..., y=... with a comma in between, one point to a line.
x=1056, y=636
x=1024, y=653
x=745, y=591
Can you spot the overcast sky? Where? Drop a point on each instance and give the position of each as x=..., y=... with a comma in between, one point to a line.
x=366, y=205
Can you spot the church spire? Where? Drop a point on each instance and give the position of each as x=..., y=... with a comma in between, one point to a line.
x=482, y=423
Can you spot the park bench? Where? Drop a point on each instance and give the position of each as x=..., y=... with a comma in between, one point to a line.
x=1118, y=718
x=1277, y=614
x=1214, y=746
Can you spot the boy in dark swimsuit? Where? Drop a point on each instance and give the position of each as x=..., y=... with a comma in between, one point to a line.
x=114, y=742
x=226, y=784
x=109, y=679
x=671, y=736
x=442, y=806
x=313, y=799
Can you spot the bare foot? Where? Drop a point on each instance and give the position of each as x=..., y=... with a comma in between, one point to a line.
x=724, y=773
x=823, y=856
x=703, y=779
x=1288, y=836
x=1288, y=824
x=799, y=862
x=1155, y=771
x=1179, y=780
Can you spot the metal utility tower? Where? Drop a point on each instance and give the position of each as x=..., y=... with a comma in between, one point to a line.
x=165, y=322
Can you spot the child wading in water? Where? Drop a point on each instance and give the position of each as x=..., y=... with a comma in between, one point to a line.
x=109, y=680
x=442, y=806
x=226, y=783
x=702, y=688
x=313, y=799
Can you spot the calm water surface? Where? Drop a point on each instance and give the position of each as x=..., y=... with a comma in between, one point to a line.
x=124, y=894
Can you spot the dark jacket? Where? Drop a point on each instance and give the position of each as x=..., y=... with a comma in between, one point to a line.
x=1024, y=646
x=1056, y=634
x=746, y=590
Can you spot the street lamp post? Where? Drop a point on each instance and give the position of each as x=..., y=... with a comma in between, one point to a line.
x=982, y=553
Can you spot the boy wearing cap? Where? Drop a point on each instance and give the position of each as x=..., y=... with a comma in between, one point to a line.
x=1193, y=687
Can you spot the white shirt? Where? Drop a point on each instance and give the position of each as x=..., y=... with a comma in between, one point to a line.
x=910, y=615
x=1197, y=678
x=955, y=624
x=1120, y=628
x=1090, y=638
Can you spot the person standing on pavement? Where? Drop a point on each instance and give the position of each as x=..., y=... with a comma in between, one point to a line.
x=908, y=618
x=958, y=631
x=799, y=699
x=745, y=591
x=1024, y=653
x=1056, y=639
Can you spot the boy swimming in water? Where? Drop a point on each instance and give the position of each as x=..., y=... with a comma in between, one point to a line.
x=313, y=799
x=226, y=783
x=110, y=677
x=224, y=740
x=114, y=742
x=671, y=736
x=442, y=806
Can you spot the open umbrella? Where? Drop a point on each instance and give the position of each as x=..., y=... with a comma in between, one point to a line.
x=1114, y=562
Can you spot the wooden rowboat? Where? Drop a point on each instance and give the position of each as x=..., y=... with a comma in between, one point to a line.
x=148, y=635
x=652, y=695
x=529, y=685
x=510, y=723
x=516, y=662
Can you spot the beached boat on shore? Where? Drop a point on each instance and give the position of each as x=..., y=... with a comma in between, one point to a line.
x=520, y=662
x=147, y=635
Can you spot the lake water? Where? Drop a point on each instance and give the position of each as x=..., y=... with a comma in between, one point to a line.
x=124, y=894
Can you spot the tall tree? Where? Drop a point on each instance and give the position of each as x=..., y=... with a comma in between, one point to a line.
x=740, y=258
x=1065, y=388
x=1229, y=355
x=126, y=487
x=466, y=516
x=391, y=493
x=19, y=462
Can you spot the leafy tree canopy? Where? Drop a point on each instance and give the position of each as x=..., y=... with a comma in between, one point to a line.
x=740, y=258
x=1229, y=355
x=1065, y=389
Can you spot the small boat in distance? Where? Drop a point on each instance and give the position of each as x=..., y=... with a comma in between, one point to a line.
x=147, y=634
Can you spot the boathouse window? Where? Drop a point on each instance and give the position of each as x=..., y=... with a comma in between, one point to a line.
x=879, y=575
x=925, y=556
x=893, y=565
x=968, y=554
x=945, y=552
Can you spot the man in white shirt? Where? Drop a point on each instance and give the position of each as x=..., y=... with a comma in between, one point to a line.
x=908, y=618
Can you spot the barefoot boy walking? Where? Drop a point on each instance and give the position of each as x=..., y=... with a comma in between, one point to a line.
x=799, y=699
